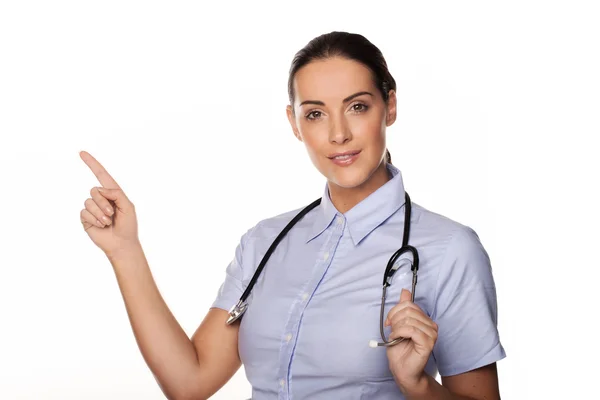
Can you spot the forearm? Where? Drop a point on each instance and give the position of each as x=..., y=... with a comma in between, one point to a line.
x=429, y=389
x=166, y=348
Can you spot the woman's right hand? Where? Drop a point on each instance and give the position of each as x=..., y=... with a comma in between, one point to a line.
x=109, y=216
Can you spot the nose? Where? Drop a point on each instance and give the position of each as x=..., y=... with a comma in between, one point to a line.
x=339, y=130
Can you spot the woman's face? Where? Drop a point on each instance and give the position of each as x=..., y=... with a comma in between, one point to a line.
x=338, y=110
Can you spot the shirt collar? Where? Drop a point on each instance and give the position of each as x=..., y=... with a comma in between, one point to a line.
x=367, y=215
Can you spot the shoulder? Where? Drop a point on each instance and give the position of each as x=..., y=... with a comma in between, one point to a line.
x=266, y=230
x=459, y=243
x=463, y=270
x=428, y=218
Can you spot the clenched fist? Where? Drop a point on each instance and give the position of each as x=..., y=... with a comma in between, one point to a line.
x=408, y=359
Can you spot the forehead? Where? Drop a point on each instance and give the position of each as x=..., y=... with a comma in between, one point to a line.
x=332, y=79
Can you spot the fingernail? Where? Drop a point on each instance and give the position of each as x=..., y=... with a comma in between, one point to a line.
x=106, y=219
x=109, y=210
x=101, y=190
x=100, y=224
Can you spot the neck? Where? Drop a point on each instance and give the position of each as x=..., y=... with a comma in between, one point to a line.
x=345, y=198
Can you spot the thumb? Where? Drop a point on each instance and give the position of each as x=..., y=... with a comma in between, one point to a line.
x=405, y=295
x=118, y=196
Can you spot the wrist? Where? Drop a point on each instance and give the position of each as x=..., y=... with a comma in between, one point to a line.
x=417, y=388
x=124, y=252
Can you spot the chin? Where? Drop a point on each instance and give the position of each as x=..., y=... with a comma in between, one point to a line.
x=348, y=178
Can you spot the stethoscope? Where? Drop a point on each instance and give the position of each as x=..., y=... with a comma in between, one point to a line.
x=240, y=308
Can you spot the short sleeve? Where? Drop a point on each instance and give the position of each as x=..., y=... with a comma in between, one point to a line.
x=232, y=287
x=466, y=307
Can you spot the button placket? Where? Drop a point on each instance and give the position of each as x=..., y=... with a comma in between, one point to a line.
x=320, y=269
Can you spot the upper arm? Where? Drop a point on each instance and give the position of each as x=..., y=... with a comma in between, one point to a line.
x=216, y=344
x=466, y=310
x=480, y=383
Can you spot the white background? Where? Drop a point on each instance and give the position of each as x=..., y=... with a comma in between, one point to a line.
x=184, y=103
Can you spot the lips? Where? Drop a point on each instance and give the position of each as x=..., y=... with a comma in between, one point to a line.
x=344, y=159
x=344, y=155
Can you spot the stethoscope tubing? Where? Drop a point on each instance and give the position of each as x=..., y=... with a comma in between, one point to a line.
x=241, y=306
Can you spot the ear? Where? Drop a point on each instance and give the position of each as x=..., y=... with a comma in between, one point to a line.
x=391, y=108
x=292, y=120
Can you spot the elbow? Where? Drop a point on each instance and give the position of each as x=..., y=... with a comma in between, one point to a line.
x=181, y=392
x=183, y=395
x=187, y=396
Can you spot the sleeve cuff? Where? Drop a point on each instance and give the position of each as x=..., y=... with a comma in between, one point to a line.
x=494, y=355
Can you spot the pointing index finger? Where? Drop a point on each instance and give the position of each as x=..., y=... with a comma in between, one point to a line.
x=101, y=174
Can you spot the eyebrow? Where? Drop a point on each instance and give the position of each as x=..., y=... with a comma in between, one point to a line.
x=347, y=99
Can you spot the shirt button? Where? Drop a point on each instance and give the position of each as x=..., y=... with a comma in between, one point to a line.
x=288, y=337
x=326, y=256
x=282, y=383
x=340, y=220
x=304, y=296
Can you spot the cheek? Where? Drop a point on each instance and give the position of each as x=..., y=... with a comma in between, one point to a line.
x=369, y=130
x=314, y=136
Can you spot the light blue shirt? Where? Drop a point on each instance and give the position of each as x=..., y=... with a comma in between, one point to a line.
x=316, y=305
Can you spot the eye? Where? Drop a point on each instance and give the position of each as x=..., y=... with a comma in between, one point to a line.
x=311, y=116
x=359, y=107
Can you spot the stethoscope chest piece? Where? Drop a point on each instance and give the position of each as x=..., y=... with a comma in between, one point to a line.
x=236, y=312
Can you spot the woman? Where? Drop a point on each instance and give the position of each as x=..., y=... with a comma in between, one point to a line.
x=316, y=305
